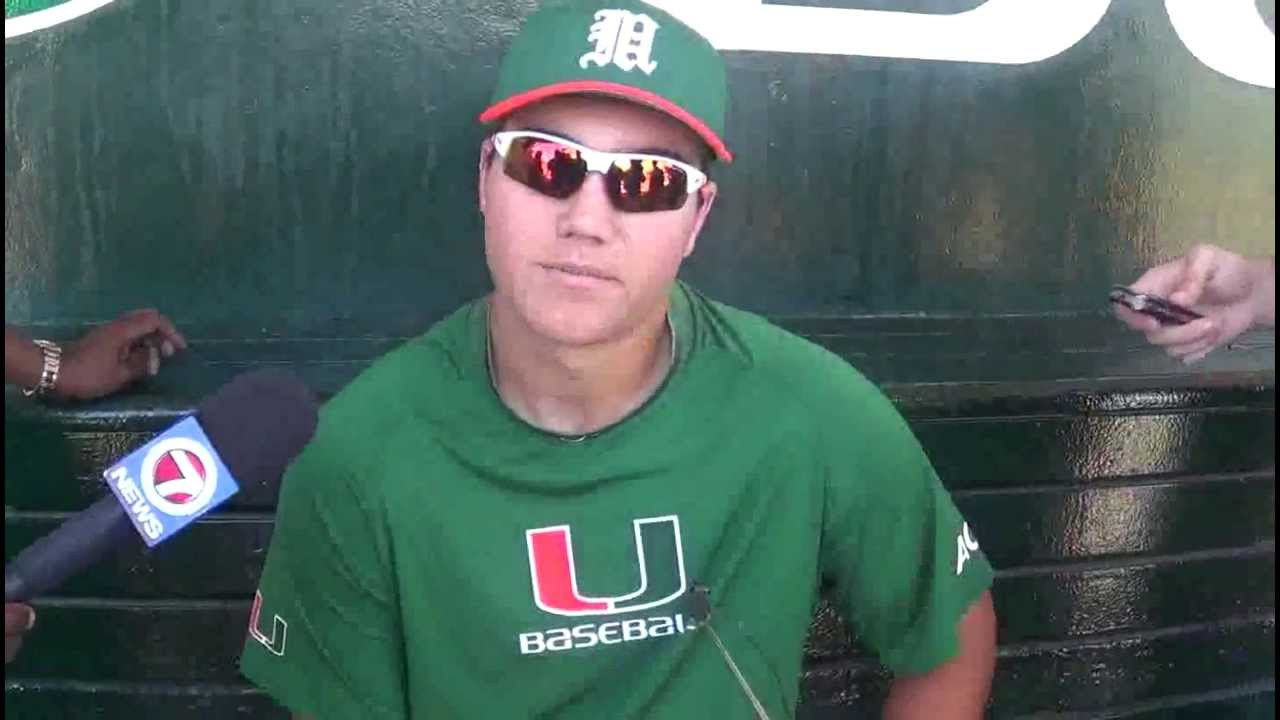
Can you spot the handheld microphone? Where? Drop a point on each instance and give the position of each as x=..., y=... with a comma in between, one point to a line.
x=248, y=431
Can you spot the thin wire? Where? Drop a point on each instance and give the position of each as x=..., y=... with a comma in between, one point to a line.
x=742, y=681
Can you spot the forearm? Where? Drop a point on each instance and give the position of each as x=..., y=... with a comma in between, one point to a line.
x=1264, y=290
x=23, y=360
x=959, y=688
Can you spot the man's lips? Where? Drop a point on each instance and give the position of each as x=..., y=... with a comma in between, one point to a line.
x=579, y=270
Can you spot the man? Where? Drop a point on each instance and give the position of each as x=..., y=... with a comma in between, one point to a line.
x=596, y=493
x=103, y=361
x=1232, y=292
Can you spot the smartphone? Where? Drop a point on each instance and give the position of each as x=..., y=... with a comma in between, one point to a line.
x=1165, y=312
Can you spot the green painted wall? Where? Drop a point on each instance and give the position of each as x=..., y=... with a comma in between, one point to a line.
x=309, y=159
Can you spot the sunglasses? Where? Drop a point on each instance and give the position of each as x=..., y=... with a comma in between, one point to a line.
x=635, y=182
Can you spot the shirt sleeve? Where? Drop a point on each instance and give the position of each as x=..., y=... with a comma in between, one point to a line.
x=324, y=635
x=905, y=565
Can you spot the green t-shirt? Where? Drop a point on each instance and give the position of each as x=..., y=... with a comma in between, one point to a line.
x=436, y=557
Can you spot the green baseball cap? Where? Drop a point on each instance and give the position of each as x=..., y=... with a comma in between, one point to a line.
x=620, y=48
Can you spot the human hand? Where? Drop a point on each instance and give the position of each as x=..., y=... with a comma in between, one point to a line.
x=18, y=619
x=1230, y=291
x=113, y=355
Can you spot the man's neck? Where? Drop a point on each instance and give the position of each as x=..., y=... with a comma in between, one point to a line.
x=575, y=390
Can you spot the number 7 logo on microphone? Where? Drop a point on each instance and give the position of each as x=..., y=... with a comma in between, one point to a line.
x=169, y=482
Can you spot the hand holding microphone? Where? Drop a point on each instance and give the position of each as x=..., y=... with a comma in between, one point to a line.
x=18, y=619
x=246, y=432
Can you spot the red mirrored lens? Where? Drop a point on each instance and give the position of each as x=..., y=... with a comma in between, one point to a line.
x=647, y=185
x=548, y=167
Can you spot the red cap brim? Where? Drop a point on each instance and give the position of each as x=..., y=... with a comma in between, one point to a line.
x=503, y=108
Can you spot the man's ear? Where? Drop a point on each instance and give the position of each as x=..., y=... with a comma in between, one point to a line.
x=486, y=161
x=706, y=198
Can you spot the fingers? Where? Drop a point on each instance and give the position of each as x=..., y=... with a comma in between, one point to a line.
x=1137, y=321
x=1227, y=327
x=1193, y=351
x=143, y=360
x=1199, y=267
x=118, y=353
x=1183, y=280
x=140, y=323
x=12, y=644
x=1197, y=356
x=18, y=619
x=1160, y=280
x=1192, y=332
x=1189, y=342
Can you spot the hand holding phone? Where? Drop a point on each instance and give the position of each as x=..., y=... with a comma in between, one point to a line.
x=1164, y=311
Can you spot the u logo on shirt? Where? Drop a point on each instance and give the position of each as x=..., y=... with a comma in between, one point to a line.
x=659, y=556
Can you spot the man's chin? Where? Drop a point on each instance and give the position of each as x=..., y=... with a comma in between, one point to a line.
x=574, y=335
x=573, y=326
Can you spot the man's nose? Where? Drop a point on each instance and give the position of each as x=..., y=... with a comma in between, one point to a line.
x=588, y=214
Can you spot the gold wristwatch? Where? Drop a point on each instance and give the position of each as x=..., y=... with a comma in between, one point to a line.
x=49, y=371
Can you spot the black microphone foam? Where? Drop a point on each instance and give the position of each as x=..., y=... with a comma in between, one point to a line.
x=258, y=423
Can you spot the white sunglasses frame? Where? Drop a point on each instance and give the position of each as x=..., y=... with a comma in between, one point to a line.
x=599, y=161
